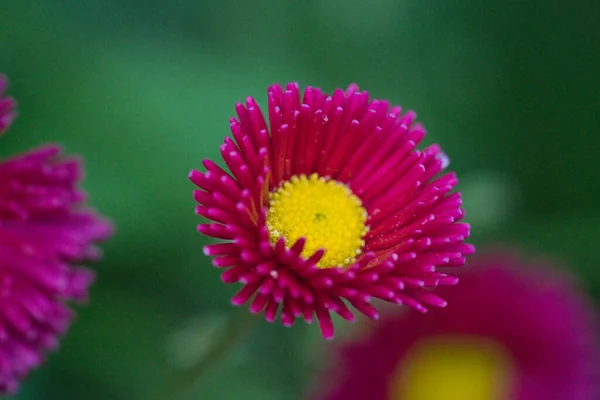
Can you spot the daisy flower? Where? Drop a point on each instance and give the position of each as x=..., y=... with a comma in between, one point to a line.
x=328, y=205
x=45, y=234
x=515, y=331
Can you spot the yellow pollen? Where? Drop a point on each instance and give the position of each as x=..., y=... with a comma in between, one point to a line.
x=325, y=212
x=454, y=367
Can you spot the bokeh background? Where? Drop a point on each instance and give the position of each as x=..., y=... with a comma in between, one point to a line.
x=144, y=90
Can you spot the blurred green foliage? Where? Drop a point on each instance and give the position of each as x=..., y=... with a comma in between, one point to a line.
x=144, y=90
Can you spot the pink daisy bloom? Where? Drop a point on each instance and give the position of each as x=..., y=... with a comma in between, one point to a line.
x=329, y=204
x=45, y=233
x=514, y=332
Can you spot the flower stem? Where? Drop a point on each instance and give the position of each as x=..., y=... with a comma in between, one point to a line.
x=237, y=326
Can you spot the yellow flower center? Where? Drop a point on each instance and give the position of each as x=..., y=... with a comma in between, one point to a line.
x=454, y=367
x=325, y=212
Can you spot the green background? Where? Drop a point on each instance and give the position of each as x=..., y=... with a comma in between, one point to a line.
x=144, y=90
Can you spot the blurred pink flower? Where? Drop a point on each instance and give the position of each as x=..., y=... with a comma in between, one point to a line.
x=330, y=202
x=45, y=233
x=513, y=331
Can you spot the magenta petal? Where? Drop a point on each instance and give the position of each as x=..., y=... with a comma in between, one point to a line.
x=7, y=105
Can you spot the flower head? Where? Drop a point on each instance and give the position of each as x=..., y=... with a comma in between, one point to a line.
x=329, y=205
x=45, y=233
x=515, y=331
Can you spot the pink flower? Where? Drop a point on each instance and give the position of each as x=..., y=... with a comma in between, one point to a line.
x=330, y=205
x=513, y=331
x=45, y=233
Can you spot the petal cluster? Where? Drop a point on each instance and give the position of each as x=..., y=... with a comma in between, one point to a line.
x=45, y=235
x=530, y=309
x=367, y=145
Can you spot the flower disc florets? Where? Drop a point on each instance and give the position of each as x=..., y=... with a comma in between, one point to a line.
x=324, y=212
